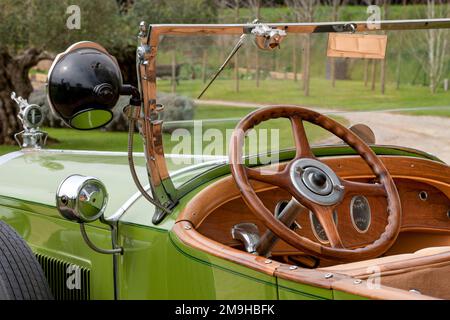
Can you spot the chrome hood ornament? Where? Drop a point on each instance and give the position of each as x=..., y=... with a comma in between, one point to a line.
x=31, y=116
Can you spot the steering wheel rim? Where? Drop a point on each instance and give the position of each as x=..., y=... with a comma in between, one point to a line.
x=324, y=211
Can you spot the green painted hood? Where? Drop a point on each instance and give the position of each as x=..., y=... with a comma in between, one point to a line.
x=29, y=178
x=33, y=176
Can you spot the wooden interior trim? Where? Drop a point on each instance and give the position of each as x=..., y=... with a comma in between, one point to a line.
x=348, y=167
x=406, y=264
x=190, y=237
x=382, y=293
x=225, y=190
x=283, y=179
x=390, y=269
x=212, y=197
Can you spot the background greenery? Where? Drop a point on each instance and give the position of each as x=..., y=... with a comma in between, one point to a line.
x=116, y=29
x=117, y=141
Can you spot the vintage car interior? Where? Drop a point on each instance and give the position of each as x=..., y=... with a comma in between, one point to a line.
x=333, y=221
x=391, y=214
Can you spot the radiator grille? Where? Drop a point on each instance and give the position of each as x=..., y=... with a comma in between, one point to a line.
x=67, y=281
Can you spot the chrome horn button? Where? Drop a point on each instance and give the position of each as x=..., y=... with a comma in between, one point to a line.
x=316, y=181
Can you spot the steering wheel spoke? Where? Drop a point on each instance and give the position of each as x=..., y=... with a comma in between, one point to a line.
x=314, y=185
x=368, y=189
x=325, y=217
x=273, y=177
x=301, y=140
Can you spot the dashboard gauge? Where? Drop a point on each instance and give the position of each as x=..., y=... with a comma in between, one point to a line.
x=318, y=230
x=360, y=213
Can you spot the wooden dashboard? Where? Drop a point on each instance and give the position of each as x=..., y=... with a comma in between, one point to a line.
x=419, y=214
x=423, y=185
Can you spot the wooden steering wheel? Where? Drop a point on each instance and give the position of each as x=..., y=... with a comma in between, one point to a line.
x=315, y=185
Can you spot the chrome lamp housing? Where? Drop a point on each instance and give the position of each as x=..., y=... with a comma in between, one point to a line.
x=81, y=199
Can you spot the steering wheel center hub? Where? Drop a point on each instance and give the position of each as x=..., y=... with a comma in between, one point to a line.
x=316, y=181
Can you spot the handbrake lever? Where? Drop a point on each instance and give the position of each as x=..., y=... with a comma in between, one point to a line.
x=287, y=216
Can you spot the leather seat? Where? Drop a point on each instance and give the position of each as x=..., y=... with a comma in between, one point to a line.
x=420, y=257
x=425, y=271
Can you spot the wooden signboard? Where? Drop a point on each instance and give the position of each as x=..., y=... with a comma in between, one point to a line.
x=346, y=45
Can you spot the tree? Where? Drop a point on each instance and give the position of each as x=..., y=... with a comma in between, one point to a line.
x=255, y=6
x=437, y=40
x=335, y=8
x=14, y=77
x=294, y=43
x=430, y=47
x=29, y=28
x=383, y=64
x=399, y=53
x=235, y=5
x=374, y=74
x=366, y=72
x=384, y=61
x=304, y=11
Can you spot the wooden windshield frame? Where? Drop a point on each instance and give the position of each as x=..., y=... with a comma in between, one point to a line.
x=149, y=37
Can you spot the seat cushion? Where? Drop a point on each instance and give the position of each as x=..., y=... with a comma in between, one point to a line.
x=400, y=261
x=424, y=271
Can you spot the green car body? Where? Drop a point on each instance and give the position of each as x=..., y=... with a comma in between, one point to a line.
x=155, y=264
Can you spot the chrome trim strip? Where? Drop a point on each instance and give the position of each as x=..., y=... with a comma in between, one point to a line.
x=197, y=156
x=384, y=25
x=10, y=156
x=91, y=152
x=205, y=157
x=136, y=196
x=136, y=154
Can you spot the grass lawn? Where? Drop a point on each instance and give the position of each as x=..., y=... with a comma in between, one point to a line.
x=117, y=141
x=347, y=95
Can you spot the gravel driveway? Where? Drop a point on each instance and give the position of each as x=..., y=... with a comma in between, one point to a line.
x=427, y=133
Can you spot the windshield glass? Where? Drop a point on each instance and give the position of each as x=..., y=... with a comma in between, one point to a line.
x=404, y=98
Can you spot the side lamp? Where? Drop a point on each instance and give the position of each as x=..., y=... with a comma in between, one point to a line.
x=84, y=85
x=83, y=200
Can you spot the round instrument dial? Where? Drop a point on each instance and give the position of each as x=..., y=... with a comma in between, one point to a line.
x=318, y=230
x=360, y=213
x=33, y=116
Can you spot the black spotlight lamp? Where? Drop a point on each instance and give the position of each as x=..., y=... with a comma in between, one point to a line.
x=84, y=85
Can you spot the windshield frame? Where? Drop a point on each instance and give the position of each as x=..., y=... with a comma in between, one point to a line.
x=161, y=182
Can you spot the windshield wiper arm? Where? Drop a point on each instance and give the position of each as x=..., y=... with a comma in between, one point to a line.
x=232, y=53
